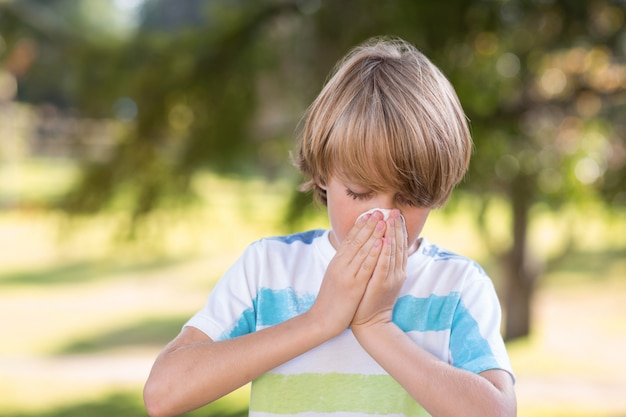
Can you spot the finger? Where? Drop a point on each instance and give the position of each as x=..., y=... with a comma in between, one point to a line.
x=369, y=264
x=403, y=241
x=361, y=220
x=394, y=247
x=398, y=234
x=382, y=267
x=366, y=257
x=365, y=230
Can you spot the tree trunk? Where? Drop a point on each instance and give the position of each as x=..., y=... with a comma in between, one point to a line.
x=521, y=271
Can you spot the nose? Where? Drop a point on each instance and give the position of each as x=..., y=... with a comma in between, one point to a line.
x=385, y=212
x=385, y=201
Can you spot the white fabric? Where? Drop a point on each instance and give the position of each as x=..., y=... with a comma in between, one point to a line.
x=448, y=306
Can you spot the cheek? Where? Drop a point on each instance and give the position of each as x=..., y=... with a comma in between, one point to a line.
x=342, y=218
x=414, y=225
x=413, y=234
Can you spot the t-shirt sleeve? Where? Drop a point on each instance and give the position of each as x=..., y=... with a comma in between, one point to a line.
x=476, y=343
x=230, y=308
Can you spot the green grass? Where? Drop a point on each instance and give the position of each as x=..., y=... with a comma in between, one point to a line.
x=129, y=405
x=83, y=315
x=34, y=181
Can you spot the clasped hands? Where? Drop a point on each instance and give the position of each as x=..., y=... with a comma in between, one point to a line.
x=363, y=280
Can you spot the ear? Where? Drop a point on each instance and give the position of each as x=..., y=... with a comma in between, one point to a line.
x=320, y=190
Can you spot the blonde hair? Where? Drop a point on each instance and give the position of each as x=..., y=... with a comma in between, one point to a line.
x=387, y=119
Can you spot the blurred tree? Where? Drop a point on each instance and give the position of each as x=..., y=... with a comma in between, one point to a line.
x=544, y=85
x=221, y=84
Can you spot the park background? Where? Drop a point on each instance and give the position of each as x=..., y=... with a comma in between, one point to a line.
x=145, y=144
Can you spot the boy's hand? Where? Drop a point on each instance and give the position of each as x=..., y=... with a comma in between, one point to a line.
x=382, y=291
x=348, y=273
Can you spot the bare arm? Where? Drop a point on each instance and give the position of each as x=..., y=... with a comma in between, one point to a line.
x=442, y=389
x=193, y=370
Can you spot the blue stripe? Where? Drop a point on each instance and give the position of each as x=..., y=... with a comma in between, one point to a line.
x=304, y=237
x=468, y=348
x=276, y=306
x=425, y=314
x=246, y=324
x=440, y=254
x=270, y=308
x=467, y=344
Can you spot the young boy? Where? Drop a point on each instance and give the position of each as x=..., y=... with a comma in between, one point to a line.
x=367, y=317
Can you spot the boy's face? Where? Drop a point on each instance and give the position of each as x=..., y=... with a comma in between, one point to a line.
x=346, y=201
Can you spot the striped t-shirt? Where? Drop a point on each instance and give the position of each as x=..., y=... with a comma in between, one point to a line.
x=447, y=305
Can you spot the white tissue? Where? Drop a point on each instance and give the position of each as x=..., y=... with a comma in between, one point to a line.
x=385, y=213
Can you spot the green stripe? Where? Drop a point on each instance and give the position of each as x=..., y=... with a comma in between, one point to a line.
x=333, y=392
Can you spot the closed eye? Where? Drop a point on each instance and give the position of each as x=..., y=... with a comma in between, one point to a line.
x=403, y=200
x=359, y=196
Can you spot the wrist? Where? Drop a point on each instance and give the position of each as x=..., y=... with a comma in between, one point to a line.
x=379, y=339
x=366, y=331
x=319, y=326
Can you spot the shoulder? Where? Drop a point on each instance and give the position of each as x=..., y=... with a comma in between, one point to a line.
x=440, y=257
x=286, y=246
x=433, y=269
x=306, y=238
